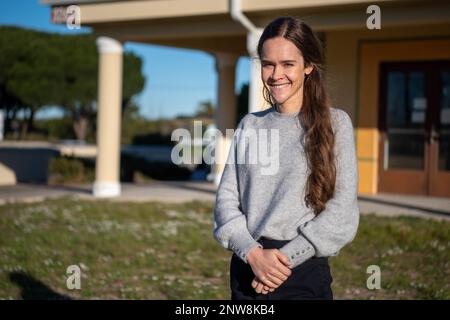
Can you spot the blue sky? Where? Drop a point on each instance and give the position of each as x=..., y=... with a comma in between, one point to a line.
x=177, y=80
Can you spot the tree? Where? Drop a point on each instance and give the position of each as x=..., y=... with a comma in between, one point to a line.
x=78, y=92
x=133, y=79
x=39, y=69
x=28, y=74
x=79, y=96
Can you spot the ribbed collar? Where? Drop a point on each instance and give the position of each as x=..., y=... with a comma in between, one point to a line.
x=283, y=115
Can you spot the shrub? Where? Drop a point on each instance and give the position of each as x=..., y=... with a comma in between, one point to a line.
x=70, y=170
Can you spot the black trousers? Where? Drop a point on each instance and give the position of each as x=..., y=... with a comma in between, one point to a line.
x=310, y=280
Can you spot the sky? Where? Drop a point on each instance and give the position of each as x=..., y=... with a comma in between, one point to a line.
x=177, y=80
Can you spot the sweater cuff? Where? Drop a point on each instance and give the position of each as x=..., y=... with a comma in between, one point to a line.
x=242, y=244
x=298, y=250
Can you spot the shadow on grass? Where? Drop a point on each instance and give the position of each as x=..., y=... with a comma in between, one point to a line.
x=33, y=289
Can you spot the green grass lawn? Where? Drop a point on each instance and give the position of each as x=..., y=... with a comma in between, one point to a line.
x=166, y=251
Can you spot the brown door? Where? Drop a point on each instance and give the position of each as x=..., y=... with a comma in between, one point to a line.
x=414, y=122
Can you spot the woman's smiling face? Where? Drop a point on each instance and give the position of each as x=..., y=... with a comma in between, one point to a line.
x=283, y=71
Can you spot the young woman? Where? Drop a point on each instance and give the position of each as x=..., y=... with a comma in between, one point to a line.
x=283, y=225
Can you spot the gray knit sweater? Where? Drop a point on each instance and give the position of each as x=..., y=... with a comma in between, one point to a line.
x=264, y=196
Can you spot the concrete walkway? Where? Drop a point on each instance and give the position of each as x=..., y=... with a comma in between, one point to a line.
x=170, y=191
x=181, y=191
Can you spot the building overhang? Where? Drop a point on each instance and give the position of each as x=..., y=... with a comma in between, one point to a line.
x=207, y=25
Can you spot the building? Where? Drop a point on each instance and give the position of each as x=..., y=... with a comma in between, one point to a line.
x=394, y=82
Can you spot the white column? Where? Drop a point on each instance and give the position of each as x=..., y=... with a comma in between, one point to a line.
x=107, y=168
x=226, y=113
x=255, y=98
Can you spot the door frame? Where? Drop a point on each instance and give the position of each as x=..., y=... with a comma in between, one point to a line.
x=439, y=180
x=429, y=181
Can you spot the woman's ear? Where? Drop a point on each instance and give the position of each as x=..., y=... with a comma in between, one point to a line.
x=309, y=69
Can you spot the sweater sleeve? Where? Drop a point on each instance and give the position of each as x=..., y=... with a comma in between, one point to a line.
x=230, y=223
x=335, y=226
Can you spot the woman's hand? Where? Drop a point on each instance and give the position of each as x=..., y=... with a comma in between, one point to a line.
x=270, y=266
x=260, y=287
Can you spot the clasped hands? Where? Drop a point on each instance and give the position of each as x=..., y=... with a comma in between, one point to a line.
x=271, y=269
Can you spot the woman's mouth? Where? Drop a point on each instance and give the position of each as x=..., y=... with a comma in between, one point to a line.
x=279, y=86
x=278, y=89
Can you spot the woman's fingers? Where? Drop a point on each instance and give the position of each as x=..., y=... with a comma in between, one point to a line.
x=259, y=288
x=266, y=290
x=284, y=270
x=282, y=263
x=277, y=280
x=285, y=266
x=279, y=275
x=268, y=281
x=285, y=260
x=257, y=285
x=273, y=279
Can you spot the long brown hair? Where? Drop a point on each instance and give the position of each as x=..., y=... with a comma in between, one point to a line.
x=315, y=112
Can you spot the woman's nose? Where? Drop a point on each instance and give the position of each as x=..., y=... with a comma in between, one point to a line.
x=276, y=73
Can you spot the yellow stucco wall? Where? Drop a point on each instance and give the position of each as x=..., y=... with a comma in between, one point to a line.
x=353, y=59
